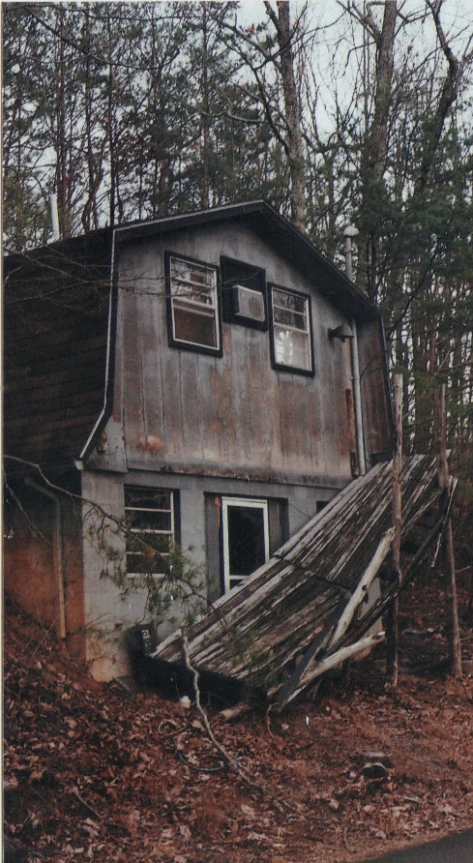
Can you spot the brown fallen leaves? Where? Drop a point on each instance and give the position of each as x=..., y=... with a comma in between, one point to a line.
x=92, y=774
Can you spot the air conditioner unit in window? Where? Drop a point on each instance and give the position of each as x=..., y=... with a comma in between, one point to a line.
x=248, y=303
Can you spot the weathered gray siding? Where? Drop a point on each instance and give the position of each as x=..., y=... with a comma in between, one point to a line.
x=236, y=414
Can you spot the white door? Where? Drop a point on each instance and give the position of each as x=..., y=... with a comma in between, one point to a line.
x=245, y=538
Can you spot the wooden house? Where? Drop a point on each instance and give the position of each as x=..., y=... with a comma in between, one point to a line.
x=209, y=379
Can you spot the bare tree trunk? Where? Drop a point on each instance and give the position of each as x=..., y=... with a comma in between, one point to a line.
x=89, y=212
x=110, y=126
x=373, y=161
x=292, y=109
x=451, y=604
x=392, y=665
x=205, y=119
x=448, y=94
x=61, y=160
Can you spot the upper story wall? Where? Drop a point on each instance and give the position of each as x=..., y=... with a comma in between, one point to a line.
x=235, y=413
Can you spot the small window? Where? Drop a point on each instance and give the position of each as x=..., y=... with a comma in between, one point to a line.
x=245, y=538
x=151, y=521
x=291, y=331
x=193, y=312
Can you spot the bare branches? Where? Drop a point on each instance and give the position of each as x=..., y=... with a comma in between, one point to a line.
x=232, y=762
x=448, y=92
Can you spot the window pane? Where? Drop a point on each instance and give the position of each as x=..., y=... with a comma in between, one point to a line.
x=150, y=521
x=291, y=330
x=151, y=560
x=194, y=302
x=291, y=310
x=143, y=498
x=191, y=326
x=155, y=521
x=246, y=539
x=193, y=282
x=292, y=348
x=290, y=319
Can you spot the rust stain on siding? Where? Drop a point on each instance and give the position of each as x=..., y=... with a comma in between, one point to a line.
x=150, y=443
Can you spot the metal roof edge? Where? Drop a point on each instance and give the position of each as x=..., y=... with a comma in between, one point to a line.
x=35, y=256
x=166, y=224
x=137, y=230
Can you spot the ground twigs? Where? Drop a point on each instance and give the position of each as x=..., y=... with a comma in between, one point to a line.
x=232, y=762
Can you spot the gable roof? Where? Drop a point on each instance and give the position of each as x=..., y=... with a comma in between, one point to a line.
x=59, y=324
x=283, y=237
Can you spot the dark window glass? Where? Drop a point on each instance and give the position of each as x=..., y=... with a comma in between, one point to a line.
x=246, y=539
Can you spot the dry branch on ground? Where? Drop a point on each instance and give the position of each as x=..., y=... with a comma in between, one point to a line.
x=94, y=774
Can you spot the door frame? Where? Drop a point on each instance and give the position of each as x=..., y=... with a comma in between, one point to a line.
x=243, y=503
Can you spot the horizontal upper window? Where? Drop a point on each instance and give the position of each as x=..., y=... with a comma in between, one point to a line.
x=193, y=304
x=291, y=330
x=150, y=516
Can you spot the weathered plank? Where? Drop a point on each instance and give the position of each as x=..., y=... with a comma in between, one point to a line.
x=259, y=629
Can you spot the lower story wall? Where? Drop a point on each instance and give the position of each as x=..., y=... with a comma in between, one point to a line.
x=115, y=601
x=42, y=563
x=80, y=586
x=28, y=568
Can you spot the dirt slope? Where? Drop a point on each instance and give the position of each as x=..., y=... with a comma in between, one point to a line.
x=91, y=773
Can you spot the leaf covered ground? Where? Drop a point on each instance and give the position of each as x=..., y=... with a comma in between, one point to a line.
x=94, y=773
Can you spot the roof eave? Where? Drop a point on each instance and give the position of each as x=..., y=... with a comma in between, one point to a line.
x=274, y=228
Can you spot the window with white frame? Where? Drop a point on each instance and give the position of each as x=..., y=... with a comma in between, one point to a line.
x=245, y=538
x=291, y=330
x=193, y=305
x=150, y=518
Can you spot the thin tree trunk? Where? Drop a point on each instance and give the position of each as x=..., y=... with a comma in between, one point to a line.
x=373, y=162
x=451, y=604
x=292, y=110
x=110, y=118
x=448, y=96
x=61, y=129
x=205, y=119
x=392, y=665
x=89, y=213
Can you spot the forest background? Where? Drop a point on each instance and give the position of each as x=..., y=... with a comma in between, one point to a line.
x=335, y=113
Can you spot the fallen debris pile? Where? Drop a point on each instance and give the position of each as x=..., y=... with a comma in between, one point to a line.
x=92, y=773
x=299, y=614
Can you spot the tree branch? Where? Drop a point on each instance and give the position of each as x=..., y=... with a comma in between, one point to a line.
x=232, y=762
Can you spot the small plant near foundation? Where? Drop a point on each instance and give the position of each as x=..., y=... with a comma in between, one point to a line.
x=174, y=585
x=181, y=584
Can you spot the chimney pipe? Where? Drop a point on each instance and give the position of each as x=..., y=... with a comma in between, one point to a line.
x=55, y=218
x=349, y=232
